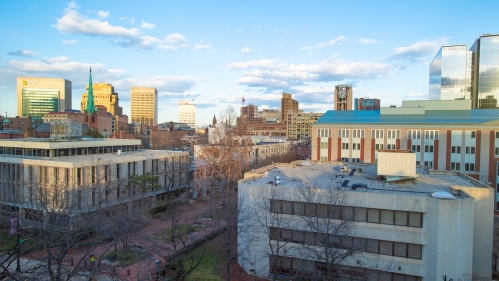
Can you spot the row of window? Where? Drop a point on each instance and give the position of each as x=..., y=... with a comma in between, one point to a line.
x=349, y=243
x=358, y=214
x=391, y=134
x=456, y=166
x=316, y=270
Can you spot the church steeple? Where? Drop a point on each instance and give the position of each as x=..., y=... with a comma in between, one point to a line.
x=214, y=120
x=90, y=97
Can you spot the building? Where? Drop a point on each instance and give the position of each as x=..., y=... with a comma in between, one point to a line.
x=144, y=105
x=450, y=74
x=187, y=113
x=485, y=71
x=103, y=94
x=37, y=96
x=404, y=230
x=250, y=111
x=271, y=116
x=299, y=125
x=445, y=135
x=367, y=104
x=343, y=97
x=62, y=116
x=288, y=105
x=89, y=173
x=96, y=116
x=169, y=134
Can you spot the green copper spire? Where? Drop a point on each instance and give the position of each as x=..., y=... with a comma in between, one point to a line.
x=90, y=97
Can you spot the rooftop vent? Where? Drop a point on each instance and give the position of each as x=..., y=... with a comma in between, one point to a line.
x=443, y=195
x=277, y=180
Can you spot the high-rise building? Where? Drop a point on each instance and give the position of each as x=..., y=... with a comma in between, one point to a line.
x=367, y=104
x=288, y=105
x=343, y=97
x=450, y=74
x=299, y=125
x=485, y=71
x=144, y=105
x=251, y=111
x=103, y=95
x=37, y=96
x=271, y=116
x=187, y=113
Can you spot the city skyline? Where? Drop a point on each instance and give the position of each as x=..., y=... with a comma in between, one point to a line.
x=215, y=53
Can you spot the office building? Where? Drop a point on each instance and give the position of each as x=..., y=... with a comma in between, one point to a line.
x=485, y=71
x=450, y=74
x=271, y=116
x=144, y=105
x=103, y=94
x=90, y=174
x=37, y=96
x=299, y=125
x=435, y=225
x=187, y=113
x=250, y=111
x=367, y=104
x=343, y=97
x=445, y=136
x=288, y=105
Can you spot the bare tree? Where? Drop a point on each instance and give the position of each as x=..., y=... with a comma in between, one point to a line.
x=226, y=161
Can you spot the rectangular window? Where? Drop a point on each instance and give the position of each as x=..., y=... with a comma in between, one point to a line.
x=373, y=246
x=414, y=134
x=78, y=176
x=473, y=134
x=322, y=210
x=386, y=217
x=470, y=150
x=358, y=134
x=344, y=133
x=118, y=171
x=469, y=167
x=344, y=145
x=386, y=248
x=497, y=135
x=275, y=206
x=400, y=218
x=428, y=148
x=310, y=210
x=287, y=207
x=416, y=148
x=414, y=251
x=298, y=208
x=347, y=213
x=496, y=151
x=373, y=215
x=393, y=134
x=400, y=249
x=415, y=219
x=334, y=211
x=377, y=134
x=93, y=196
x=323, y=158
x=379, y=146
x=431, y=135
x=324, y=145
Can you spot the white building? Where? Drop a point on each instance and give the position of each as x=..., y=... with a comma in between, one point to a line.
x=89, y=173
x=411, y=228
x=187, y=113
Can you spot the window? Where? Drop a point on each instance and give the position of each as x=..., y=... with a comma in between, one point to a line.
x=497, y=135
x=344, y=133
x=414, y=134
x=470, y=150
x=324, y=133
x=428, y=148
x=473, y=134
x=118, y=171
x=416, y=148
x=428, y=164
x=431, y=135
x=358, y=134
x=400, y=218
x=391, y=146
x=324, y=145
x=379, y=146
x=373, y=215
x=393, y=134
x=78, y=176
x=400, y=249
x=469, y=167
x=455, y=166
x=456, y=149
x=298, y=208
x=386, y=217
x=377, y=134
x=344, y=145
x=323, y=158
x=496, y=151
x=287, y=207
x=93, y=196
x=415, y=219
x=355, y=146
x=386, y=248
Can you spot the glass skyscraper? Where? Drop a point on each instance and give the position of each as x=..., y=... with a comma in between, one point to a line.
x=485, y=86
x=450, y=74
x=37, y=102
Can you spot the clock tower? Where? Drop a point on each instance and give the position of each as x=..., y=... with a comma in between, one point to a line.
x=343, y=97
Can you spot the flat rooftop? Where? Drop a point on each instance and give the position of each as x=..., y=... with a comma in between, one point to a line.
x=49, y=143
x=321, y=174
x=102, y=159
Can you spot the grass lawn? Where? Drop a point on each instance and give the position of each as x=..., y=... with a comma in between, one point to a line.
x=181, y=232
x=8, y=241
x=209, y=266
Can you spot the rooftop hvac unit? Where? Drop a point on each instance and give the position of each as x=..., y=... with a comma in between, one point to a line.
x=277, y=180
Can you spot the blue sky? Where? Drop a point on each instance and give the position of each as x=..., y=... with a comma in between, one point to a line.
x=217, y=51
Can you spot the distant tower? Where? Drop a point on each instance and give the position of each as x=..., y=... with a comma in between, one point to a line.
x=214, y=123
x=343, y=97
x=90, y=99
x=288, y=105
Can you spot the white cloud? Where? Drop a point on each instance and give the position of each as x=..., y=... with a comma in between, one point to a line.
x=200, y=45
x=333, y=42
x=122, y=18
x=263, y=63
x=174, y=84
x=364, y=40
x=418, y=49
x=23, y=53
x=203, y=79
x=69, y=42
x=245, y=50
x=103, y=14
x=147, y=25
x=174, y=42
x=132, y=20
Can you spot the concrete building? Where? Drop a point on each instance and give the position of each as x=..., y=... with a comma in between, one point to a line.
x=367, y=104
x=187, y=113
x=37, y=96
x=89, y=173
x=271, y=116
x=144, y=105
x=288, y=105
x=249, y=111
x=445, y=135
x=435, y=225
x=63, y=116
x=299, y=125
x=103, y=94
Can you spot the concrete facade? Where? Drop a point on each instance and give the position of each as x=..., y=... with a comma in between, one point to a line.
x=62, y=86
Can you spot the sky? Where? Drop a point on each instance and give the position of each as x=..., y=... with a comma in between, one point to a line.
x=216, y=52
